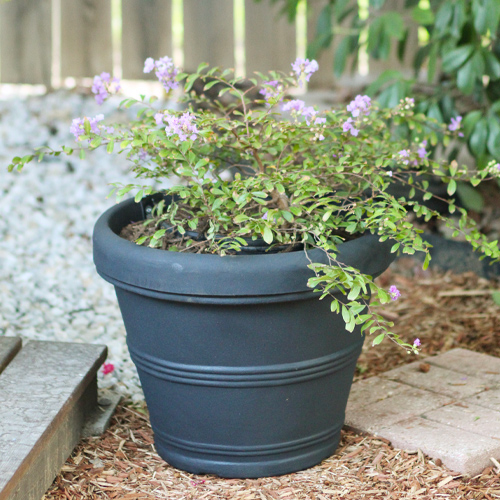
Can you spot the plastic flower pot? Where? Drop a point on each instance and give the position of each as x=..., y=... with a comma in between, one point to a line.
x=246, y=373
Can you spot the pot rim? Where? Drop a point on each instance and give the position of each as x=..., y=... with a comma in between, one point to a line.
x=119, y=260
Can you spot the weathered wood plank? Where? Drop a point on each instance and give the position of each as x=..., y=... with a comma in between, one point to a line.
x=208, y=33
x=323, y=78
x=26, y=41
x=146, y=32
x=86, y=42
x=46, y=393
x=270, y=40
x=9, y=347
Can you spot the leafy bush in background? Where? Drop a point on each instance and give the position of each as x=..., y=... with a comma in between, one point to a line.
x=459, y=50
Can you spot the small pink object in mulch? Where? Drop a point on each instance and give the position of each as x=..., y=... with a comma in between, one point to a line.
x=108, y=368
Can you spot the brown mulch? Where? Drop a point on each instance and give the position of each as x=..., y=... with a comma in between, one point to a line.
x=442, y=309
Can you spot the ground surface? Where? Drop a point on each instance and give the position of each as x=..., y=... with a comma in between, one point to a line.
x=442, y=309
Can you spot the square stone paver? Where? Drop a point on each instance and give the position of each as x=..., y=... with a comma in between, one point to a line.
x=437, y=379
x=488, y=399
x=459, y=450
x=469, y=417
x=371, y=390
x=471, y=363
x=450, y=412
x=403, y=405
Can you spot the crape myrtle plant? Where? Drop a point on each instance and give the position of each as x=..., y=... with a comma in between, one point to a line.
x=253, y=163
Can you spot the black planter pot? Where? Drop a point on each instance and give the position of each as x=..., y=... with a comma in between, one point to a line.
x=245, y=372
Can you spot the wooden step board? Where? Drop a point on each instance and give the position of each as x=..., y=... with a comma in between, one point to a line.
x=47, y=391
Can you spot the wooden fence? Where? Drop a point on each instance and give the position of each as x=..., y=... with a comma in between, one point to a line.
x=45, y=41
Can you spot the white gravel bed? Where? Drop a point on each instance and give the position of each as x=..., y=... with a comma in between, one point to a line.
x=49, y=288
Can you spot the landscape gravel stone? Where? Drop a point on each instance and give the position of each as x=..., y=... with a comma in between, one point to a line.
x=48, y=284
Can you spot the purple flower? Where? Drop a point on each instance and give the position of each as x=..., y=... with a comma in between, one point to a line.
x=417, y=343
x=149, y=65
x=304, y=67
x=271, y=89
x=389, y=173
x=308, y=112
x=143, y=154
x=404, y=153
x=394, y=292
x=78, y=126
x=455, y=123
x=421, y=151
x=294, y=105
x=104, y=86
x=159, y=118
x=361, y=104
x=348, y=126
x=165, y=71
x=182, y=125
x=319, y=121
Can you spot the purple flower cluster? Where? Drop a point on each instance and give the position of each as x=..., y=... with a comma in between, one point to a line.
x=165, y=71
x=78, y=126
x=348, y=126
x=455, y=124
x=298, y=107
x=182, y=125
x=304, y=67
x=394, y=292
x=361, y=104
x=421, y=151
x=271, y=89
x=104, y=86
x=417, y=343
x=404, y=153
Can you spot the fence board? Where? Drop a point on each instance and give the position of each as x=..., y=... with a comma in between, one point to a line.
x=270, y=40
x=86, y=42
x=208, y=33
x=146, y=32
x=378, y=66
x=323, y=78
x=26, y=41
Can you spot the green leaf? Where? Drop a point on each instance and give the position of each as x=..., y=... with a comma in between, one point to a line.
x=496, y=298
x=456, y=58
x=493, y=142
x=492, y=64
x=477, y=141
x=110, y=147
x=470, y=72
x=378, y=339
x=343, y=50
x=422, y=16
x=267, y=234
x=469, y=122
x=470, y=197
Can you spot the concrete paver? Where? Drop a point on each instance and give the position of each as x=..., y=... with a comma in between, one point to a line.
x=371, y=390
x=406, y=404
x=450, y=412
x=437, y=379
x=459, y=450
x=470, y=363
x=469, y=417
x=488, y=399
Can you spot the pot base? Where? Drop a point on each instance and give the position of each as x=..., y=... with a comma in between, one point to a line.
x=242, y=467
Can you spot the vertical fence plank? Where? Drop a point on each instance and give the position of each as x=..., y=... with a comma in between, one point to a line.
x=378, y=66
x=146, y=32
x=323, y=78
x=270, y=40
x=86, y=43
x=26, y=41
x=208, y=33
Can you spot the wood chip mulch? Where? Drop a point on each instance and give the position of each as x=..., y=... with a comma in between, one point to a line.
x=442, y=309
